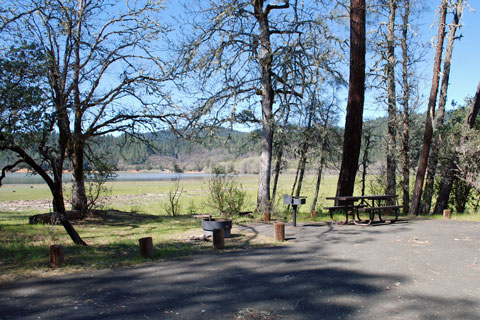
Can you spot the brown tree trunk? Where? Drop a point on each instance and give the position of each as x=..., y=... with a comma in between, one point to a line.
x=427, y=137
x=449, y=176
x=263, y=196
x=439, y=118
x=321, y=165
x=318, y=180
x=405, y=149
x=365, y=159
x=392, y=108
x=445, y=188
x=356, y=94
x=79, y=197
x=279, y=156
x=56, y=188
x=77, y=146
x=301, y=168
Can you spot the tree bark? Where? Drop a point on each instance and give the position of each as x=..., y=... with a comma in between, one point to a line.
x=77, y=145
x=427, y=137
x=55, y=185
x=79, y=197
x=279, y=156
x=392, y=108
x=356, y=95
x=365, y=159
x=321, y=164
x=263, y=196
x=405, y=149
x=439, y=118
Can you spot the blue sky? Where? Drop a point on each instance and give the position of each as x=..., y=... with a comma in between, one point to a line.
x=465, y=70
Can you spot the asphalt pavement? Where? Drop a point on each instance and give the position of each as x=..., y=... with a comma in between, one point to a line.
x=421, y=269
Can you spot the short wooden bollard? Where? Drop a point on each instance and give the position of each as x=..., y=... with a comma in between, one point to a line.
x=266, y=216
x=146, y=247
x=447, y=213
x=279, y=232
x=57, y=255
x=218, y=239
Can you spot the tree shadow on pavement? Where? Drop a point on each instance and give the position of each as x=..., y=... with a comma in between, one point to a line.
x=296, y=281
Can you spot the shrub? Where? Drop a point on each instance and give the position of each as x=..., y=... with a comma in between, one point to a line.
x=172, y=207
x=225, y=194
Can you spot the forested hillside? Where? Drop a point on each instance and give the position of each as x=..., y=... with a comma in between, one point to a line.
x=234, y=150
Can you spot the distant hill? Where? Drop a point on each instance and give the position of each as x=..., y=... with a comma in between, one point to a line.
x=233, y=150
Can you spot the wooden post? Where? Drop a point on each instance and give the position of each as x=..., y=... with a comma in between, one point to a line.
x=146, y=247
x=266, y=216
x=218, y=239
x=56, y=255
x=279, y=231
x=447, y=213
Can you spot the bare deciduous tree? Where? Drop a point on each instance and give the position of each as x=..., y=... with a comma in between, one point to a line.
x=102, y=70
x=236, y=51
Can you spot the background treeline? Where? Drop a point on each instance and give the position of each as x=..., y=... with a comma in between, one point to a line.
x=235, y=151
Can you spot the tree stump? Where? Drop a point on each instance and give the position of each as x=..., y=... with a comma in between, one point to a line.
x=218, y=239
x=146, y=247
x=266, y=216
x=447, y=213
x=279, y=234
x=57, y=255
x=313, y=213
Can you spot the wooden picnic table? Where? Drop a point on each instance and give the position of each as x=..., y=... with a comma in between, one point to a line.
x=370, y=204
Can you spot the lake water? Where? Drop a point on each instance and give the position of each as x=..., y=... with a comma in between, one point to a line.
x=23, y=178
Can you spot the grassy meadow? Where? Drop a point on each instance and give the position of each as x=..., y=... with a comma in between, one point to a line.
x=130, y=210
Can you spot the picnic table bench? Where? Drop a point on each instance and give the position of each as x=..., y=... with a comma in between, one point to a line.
x=369, y=204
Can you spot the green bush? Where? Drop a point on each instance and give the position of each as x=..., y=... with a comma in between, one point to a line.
x=225, y=194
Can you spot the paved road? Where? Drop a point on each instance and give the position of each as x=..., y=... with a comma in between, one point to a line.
x=408, y=270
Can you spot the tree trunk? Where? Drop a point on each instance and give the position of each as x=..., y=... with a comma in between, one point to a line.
x=438, y=123
x=301, y=169
x=79, y=197
x=318, y=180
x=445, y=187
x=449, y=176
x=427, y=137
x=321, y=164
x=392, y=109
x=77, y=145
x=303, y=155
x=356, y=94
x=405, y=150
x=263, y=196
x=279, y=156
x=56, y=188
x=365, y=160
